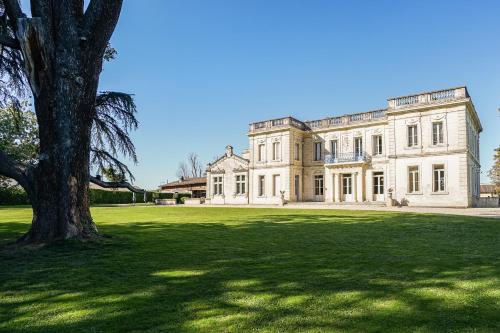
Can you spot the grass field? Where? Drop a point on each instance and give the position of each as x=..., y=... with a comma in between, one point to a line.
x=237, y=270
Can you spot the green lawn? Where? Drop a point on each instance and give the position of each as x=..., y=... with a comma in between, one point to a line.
x=175, y=269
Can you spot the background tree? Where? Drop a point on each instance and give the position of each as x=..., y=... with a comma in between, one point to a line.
x=195, y=166
x=183, y=170
x=18, y=135
x=494, y=172
x=190, y=168
x=57, y=56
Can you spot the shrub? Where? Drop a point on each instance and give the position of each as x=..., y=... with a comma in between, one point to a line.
x=180, y=197
x=13, y=196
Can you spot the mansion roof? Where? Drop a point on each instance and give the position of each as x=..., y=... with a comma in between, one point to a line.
x=394, y=105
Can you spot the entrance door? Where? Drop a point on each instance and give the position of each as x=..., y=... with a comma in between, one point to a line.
x=378, y=186
x=347, y=187
x=318, y=188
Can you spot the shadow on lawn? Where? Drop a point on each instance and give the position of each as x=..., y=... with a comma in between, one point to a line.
x=294, y=272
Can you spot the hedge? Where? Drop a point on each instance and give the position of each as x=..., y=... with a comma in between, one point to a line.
x=17, y=196
x=111, y=197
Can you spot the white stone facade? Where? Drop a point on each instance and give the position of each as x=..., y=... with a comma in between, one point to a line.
x=422, y=150
x=227, y=180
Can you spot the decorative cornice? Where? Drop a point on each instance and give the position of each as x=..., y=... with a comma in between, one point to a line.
x=424, y=154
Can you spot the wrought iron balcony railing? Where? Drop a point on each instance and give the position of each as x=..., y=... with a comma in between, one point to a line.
x=347, y=158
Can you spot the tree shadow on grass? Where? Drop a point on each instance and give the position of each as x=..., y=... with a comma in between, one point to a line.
x=275, y=272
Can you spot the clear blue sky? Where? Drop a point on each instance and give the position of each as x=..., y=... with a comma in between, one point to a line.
x=202, y=70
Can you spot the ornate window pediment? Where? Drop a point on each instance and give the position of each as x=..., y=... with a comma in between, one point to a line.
x=437, y=117
x=217, y=170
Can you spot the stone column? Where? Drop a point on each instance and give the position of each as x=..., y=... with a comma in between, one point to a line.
x=360, y=186
x=337, y=186
x=209, y=185
x=328, y=188
x=355, y=186
x=369, y=185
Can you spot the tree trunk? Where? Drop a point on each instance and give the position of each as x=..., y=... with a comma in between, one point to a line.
x=62, y=48
x=65, y=106
x=59, y=185
x=60, y=208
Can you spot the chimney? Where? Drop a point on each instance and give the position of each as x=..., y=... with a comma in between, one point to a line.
x=229, y=151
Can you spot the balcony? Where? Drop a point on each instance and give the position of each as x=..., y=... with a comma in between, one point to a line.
x=350, y=157
x=428, y=98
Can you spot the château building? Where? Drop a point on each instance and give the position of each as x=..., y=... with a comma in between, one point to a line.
x=422, y=150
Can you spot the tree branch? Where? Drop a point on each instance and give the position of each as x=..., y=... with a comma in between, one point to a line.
x=126, y=185
x=100, y=20
x=10, y=42
x=14, y=170
x=14, y=11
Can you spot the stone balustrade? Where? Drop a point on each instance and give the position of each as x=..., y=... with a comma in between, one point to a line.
x=346, y=119
x=433, y=97
x=277, y=123
x=403, y=102
x=267, y=125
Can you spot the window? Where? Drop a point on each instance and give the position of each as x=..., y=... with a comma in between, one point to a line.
x=297, y=152
x=413, y=180
x=276, y=151
x=217, y=185
x=276, y=185
x=439, y=180
x=412, y=136
x=358, y=146
x=318, y=185
x=318, y=150
x=262, y=189
x=260, y=152
x=333, y=148
x=378, y=183
x=297, y=186
x=377, y=145
x=241, y=184
x=346, y=184
x=437, y=133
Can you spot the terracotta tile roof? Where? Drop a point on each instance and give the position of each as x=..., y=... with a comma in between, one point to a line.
x=197, y=181
x=487, y=188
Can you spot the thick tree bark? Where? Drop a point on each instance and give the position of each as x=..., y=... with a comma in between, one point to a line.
x=62, y=48
x=59, y=192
